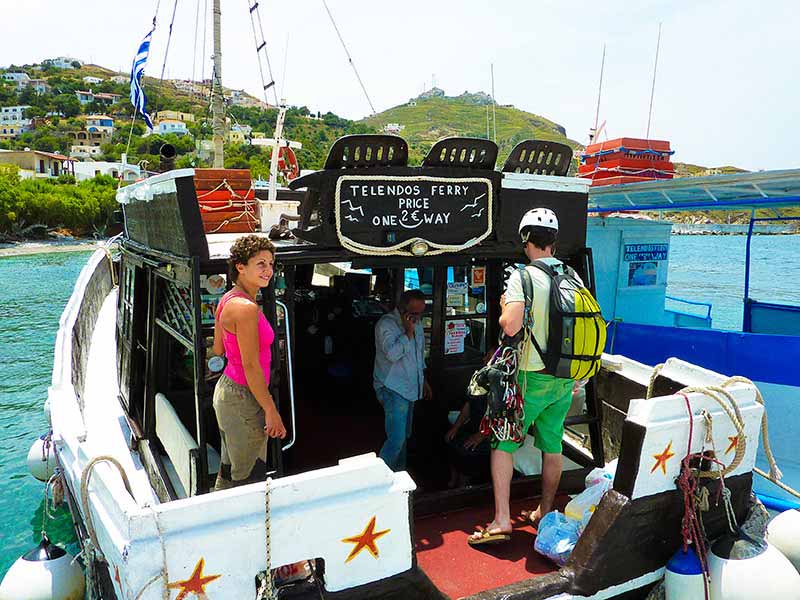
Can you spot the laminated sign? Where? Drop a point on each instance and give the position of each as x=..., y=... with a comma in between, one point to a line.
x=419, y=215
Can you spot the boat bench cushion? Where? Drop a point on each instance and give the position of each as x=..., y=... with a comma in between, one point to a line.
x=179, y=445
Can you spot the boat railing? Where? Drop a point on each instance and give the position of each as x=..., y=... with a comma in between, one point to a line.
x=688, y=317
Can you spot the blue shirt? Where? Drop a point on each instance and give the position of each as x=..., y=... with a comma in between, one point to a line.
x=399, y=361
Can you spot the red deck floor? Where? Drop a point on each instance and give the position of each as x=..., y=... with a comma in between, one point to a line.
x=458, y=569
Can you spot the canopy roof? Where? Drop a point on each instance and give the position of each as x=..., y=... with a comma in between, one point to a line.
x=736, y=191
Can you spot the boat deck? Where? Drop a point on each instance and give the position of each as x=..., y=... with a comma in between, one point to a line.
x=458, y=569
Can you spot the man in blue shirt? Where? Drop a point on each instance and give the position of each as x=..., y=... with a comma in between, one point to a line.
x=399, y=374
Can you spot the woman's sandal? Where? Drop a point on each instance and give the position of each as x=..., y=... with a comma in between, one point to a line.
x=527, y=516
x=486, y=537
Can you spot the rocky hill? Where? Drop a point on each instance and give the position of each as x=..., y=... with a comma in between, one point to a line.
x=434, y=115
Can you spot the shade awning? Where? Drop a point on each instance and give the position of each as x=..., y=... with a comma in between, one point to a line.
x=736, y=191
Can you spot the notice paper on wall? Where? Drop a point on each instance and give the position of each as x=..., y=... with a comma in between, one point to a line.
x=454, y=334
x=456, y=293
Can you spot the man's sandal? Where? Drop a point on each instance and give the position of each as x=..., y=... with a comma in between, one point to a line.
x=487, y=537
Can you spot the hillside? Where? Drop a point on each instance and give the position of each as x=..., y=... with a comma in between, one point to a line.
x=433, y=115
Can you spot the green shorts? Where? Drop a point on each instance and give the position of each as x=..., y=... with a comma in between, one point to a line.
x=547, y=401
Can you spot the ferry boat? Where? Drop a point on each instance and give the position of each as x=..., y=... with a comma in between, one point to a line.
x=136, y=438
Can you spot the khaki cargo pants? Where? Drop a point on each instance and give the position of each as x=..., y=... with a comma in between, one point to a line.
x=241, y=427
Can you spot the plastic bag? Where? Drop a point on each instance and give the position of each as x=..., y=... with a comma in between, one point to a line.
x=582, y=507
x=597, y=474
x=556, y=537
x=528, y=458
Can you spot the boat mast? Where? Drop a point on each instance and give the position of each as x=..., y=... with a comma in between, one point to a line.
x=276, y=150
x=494, y=113
x=593, y=130
x=218, y=118
x=653, y=89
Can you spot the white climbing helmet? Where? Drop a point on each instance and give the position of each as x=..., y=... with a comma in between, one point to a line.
x=539, y=217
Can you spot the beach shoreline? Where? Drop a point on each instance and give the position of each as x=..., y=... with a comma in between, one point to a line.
x=48, y=246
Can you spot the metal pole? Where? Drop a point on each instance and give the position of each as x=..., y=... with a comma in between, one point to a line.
x=653, y=89
x=746, y=320
x=273, y=165
x=599, y=91
x=494, y=113
x=218, y=122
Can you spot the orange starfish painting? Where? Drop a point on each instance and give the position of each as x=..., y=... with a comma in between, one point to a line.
x=365, y=539
x=196, y=584
x=661, y=459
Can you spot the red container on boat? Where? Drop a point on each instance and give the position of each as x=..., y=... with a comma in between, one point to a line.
x=630, y=143
x=227, y=200
x=626, y=160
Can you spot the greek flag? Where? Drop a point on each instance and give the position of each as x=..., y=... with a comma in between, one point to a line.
x=138, y=98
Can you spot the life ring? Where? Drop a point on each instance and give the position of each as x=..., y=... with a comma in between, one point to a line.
x=287, y=163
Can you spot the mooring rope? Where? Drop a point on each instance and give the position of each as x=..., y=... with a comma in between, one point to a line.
x=267, y=588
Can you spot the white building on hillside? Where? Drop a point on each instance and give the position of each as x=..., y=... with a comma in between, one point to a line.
x=14, y=115
x=92, y=80
x=121, y=79
x=100, y=124
x=84, y=151
x=40, y=86
x=172, y=126
x=21, y=79
x=90, y=169
x=62, y=62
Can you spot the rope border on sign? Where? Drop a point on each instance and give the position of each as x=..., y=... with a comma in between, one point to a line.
x=396, y=250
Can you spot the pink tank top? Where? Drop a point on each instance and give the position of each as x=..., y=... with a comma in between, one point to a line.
x=234, y=370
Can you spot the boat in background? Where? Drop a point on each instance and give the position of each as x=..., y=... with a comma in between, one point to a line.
x=626, y=160
x=631, y=258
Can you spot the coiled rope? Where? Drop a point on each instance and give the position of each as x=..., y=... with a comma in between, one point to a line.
x=91, y=547
x=717, y=392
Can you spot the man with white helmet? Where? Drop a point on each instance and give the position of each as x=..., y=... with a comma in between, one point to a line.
x=547, y=398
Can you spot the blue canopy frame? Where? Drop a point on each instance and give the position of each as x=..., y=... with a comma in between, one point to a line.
x=734, y=191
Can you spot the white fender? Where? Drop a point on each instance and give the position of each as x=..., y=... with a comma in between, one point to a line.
x=45, y=573
x=768, y=576
x=41, y=463
x=783, y=532
x=683, y=578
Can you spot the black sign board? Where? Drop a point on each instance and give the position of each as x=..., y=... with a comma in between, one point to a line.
x=389, y=214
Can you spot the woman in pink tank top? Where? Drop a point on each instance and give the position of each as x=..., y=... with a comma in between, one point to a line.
x=245, y=410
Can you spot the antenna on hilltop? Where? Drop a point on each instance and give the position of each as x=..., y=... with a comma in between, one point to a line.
x=653, y=89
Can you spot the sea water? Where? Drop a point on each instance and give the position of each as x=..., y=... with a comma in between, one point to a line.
x=34, y=289
x=33, y=292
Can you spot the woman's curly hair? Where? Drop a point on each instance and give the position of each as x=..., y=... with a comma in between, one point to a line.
x=244, y=249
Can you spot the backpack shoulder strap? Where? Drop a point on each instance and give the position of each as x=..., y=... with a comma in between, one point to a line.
x=527, y=290
x=527, y=319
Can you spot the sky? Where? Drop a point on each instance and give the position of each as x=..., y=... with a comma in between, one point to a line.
x=726, y=90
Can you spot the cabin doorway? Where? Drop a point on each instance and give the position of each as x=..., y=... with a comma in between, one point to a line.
x=333, y=312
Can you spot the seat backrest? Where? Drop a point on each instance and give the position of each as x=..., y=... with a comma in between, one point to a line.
x=474, y=153
x=539, y=157
x=357, y=151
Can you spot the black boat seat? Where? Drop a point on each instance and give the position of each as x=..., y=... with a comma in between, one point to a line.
x=473, y=153
x=539, y=157
x=358, y=151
